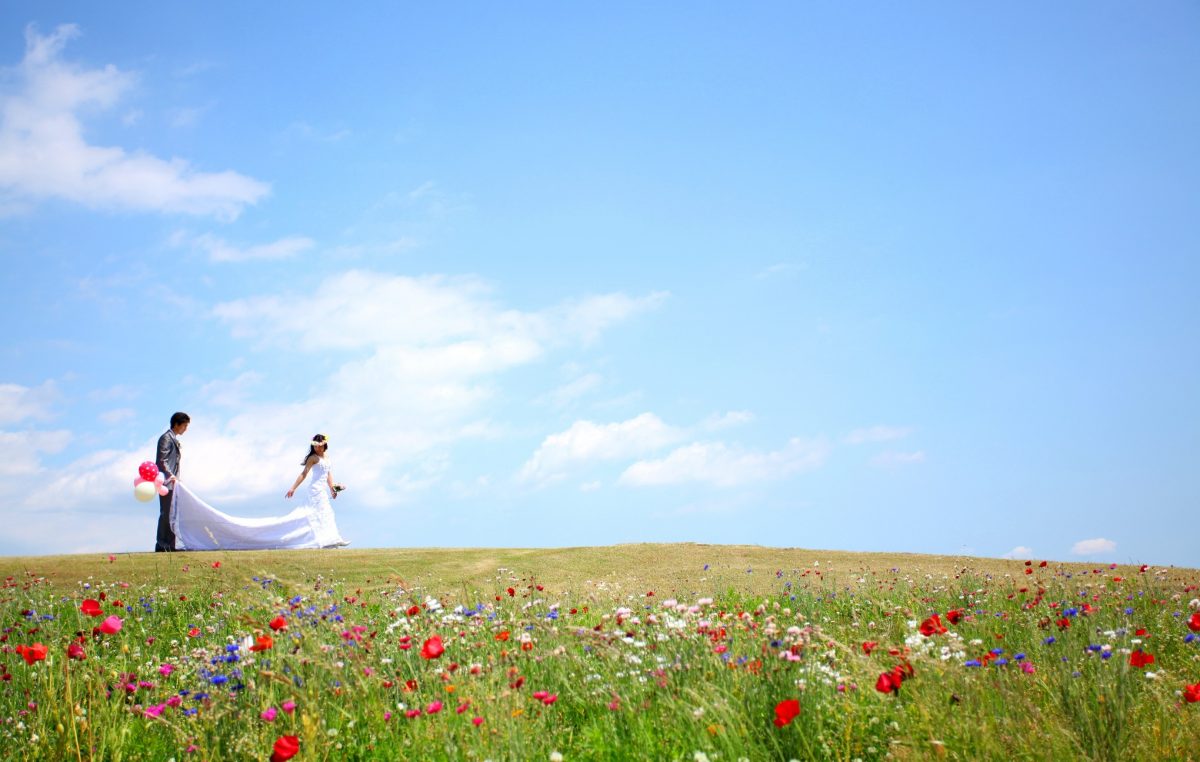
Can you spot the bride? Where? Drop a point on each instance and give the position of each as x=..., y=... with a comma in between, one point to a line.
x=199, y=526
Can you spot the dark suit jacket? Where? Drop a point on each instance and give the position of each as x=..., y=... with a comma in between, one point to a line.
x=168, y=454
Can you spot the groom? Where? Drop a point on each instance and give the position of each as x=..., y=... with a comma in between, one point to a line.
x=168, y=463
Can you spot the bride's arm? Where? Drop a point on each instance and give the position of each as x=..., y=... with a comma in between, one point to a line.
x=307, y=467
x=329, y=480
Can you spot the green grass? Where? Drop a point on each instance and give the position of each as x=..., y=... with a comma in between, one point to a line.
x=630, y=678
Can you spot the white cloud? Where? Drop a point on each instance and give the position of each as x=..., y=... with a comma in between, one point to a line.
x=876, y=434
x=726, y=466
x=894, y=458
x=18, y=403
x=1093, y=547
x=44, y=155
x=219, y=250
x=590, y=486
x=586, y=441
x=1019, y=552
x=22, y=448
x=394, y=404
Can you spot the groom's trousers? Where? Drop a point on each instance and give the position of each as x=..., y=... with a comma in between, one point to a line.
x=165, y=542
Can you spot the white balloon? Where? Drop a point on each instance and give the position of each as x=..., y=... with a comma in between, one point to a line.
x=144, y=492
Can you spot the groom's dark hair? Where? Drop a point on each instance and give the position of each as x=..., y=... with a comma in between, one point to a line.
x=179, y=418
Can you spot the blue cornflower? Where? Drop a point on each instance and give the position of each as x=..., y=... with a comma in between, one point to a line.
x=1019, y=657
x=1000, y=662
x=972, y=663
x=1093, y=647
x=1106, y=655
x=231, y=647
x=218, y=679
x=1189, y=637
x=997, y=651
x=1049, y=641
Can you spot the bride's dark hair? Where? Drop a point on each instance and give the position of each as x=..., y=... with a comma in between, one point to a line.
x=313, y=450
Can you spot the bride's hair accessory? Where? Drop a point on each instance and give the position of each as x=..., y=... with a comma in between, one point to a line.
x=320, y=439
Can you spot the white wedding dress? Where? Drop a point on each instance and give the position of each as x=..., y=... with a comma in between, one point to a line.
x=199, y=526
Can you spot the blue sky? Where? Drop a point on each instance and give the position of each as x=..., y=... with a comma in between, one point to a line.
x=907, y=278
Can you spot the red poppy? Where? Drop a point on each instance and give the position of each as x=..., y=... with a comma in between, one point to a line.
x=278, y=623
x=262, y=643
x=786, y=711
x=1029, y=571
x=91, y=607
x=511, y=592
x=111, y=625
x=933, y=626
x=1064, y=623
x=1042, y=565
x=413, y=610
x=286, y=747
x=1194, y=623
x=432, y=648
x=954, y=616
x=1140, y=658
x=33, y=653
x=868, y=646
x=1191, y=693
x=502, y=635
x=885, y=683
x=216, y=564
x=75, y=651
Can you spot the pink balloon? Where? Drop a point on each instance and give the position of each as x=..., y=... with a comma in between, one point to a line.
x=163, y=491
x=148, y=470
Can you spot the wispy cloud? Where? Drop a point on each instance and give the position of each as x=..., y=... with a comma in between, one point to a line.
x=724, y=465
x=117, y=415
x=566, y=395
x=874, y=434
x=219, y=250
x=18, y=403
x=44, y=155
x=779, y=270
x=895, y=458
x=1093, y=547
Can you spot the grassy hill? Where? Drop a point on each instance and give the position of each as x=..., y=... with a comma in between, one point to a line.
x=679, y=652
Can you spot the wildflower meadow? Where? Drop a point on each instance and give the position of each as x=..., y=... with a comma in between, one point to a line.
x=673, y=652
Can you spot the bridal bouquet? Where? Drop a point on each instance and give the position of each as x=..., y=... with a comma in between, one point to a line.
x=338, y=488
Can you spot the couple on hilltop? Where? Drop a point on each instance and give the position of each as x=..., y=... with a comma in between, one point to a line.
x=198, y=526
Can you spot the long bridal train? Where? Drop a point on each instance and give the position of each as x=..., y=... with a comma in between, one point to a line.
x=199, y=526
